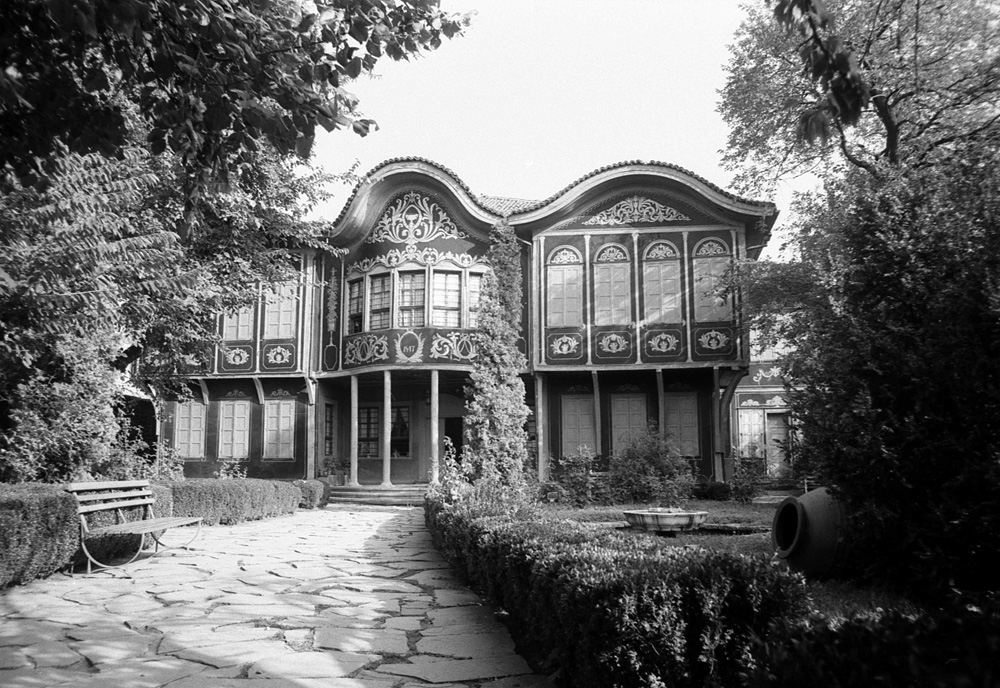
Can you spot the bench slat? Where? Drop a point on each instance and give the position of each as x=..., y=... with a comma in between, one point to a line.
x=148, y=525
x=108, y=506
x=106, y=485
x=125, y=494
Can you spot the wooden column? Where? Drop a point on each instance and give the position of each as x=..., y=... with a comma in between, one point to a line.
x=661, y=402
x=435, y=439
x=354, y=431
x=386, y=428
x=717, y=470
x=541, y=426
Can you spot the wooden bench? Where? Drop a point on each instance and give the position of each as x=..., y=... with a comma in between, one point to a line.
x=117, y=496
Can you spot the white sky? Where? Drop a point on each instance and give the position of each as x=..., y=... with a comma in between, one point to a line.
x=538, y=93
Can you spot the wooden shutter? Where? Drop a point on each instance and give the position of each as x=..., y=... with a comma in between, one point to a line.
x=234, y=429
x=578, y=424
x=628, y=419
x=279, y=429
x=189, y=430
x=682, y=422
x=661, y=282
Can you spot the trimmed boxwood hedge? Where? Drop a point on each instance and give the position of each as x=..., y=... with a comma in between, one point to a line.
x=39, y=531
x=233, y=501
x=313, y=493
x=615, y=610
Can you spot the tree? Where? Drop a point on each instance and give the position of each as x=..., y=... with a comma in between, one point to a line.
x=212, y=79
x=897, y=83
x=892, y=306
x=496, y=442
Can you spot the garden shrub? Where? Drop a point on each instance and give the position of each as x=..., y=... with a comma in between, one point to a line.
x=39, y=531
x=313, y=493
x=713, y=491
x=234, y=500
x=958, y=648
x=649, y=470
x=574, y=476
x=619, y=609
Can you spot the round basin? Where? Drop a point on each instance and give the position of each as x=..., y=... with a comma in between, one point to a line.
x=665, y=520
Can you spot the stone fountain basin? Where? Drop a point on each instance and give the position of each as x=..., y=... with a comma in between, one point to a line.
x=665, y=520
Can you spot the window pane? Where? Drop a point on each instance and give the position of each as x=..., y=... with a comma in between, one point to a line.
x=475, y=284
x=399, y=441
x=447, y=299
x=564, y=299
x=368, y=433
x=279, y=429
x=661, y=291
x=279, y=312
x=411, y=299
x=355, y=307
x=189, y=430
x=329, y=428
x=379, y=302
x=709, y=279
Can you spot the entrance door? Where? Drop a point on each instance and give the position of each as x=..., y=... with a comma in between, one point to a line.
x=628, y=419
x=578, y=424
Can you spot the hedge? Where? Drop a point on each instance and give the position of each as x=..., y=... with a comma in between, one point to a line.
x=39, y=531
x=614, y=609
x=233, y=501
x=954, y=647
x=313, y=493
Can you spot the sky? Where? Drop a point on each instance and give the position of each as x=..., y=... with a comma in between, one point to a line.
x=538, y=93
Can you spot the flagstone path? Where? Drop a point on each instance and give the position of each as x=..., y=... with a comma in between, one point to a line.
x=343, y=597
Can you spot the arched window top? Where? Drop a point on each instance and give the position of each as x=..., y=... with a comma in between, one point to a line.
x=661, y=250
x=564, y=255
x=710, y=248
x=611, y=253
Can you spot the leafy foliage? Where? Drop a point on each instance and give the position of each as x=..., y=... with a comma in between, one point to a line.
x=649, y=470
x=496, y=441
x=213, y=79
x=868, y=84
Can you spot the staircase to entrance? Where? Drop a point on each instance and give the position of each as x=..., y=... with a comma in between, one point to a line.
x=395, y=495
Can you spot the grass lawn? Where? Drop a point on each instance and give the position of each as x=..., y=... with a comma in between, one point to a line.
x=834, y=599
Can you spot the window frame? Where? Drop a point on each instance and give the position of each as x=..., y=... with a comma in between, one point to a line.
x=566, y=263
x=379, y=311
x=451, y=309
x=408, y=303
x=707, y=306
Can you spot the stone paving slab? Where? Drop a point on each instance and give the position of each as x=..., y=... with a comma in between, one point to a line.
x=342, y=597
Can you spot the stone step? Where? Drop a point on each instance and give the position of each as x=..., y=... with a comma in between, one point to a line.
x=396, y=495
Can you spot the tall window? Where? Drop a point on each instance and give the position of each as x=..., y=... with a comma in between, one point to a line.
x=447, y=299
x=368, y=435
x=379, y=302
x=234, y=429
x=682, y=422
x=355, y=306
x=279, y=429
x=399, y=439
x=238, y=326
x=189, y=430
x=475, y=285
x=612, y=288
x=279, y=312
x=564, y=288
x=711, y=263
x=578, y=433
x=661, y=283
x=411, y=299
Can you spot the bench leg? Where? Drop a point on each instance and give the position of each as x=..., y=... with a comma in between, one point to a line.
x=92, y=561
x=159, y=544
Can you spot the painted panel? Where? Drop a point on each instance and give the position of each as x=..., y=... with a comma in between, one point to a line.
x=614, y=345
x=565, y=346
x=279, y=356
x=236, y=358
x=408, y=347
x=714, y=343
x=664, y=344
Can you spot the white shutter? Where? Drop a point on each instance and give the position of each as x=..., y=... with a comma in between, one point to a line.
x=662, y=287
x=189, y=430
x=578, y=424
x=234, y=429
x=279, y=429
x=628, y=419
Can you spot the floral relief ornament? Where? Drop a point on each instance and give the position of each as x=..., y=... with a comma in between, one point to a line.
x=663, y=343
x=366, y=349
x=414, y=219
x=237, y=356
x=714, y=340
x=565, y=345
x=457, y=345
x=636, y=209
x=279, y=355
x=613, y=344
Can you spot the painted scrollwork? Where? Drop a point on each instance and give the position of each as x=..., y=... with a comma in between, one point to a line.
x=414, y=219
x=409, y=347
x=711, y=247
x=611, y=254
x=237, y=356
x=278, y=355
x=660, y=250
x=636, y=209
x=366, y=348
x=613, y=343
x=459, y=346
x=773, y=372
x=564, y=256
x=714, y=340
x=663, y=343
x=565, y=345
x=427, y=256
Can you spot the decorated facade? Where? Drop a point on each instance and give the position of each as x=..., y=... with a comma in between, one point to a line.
x=362, y=362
